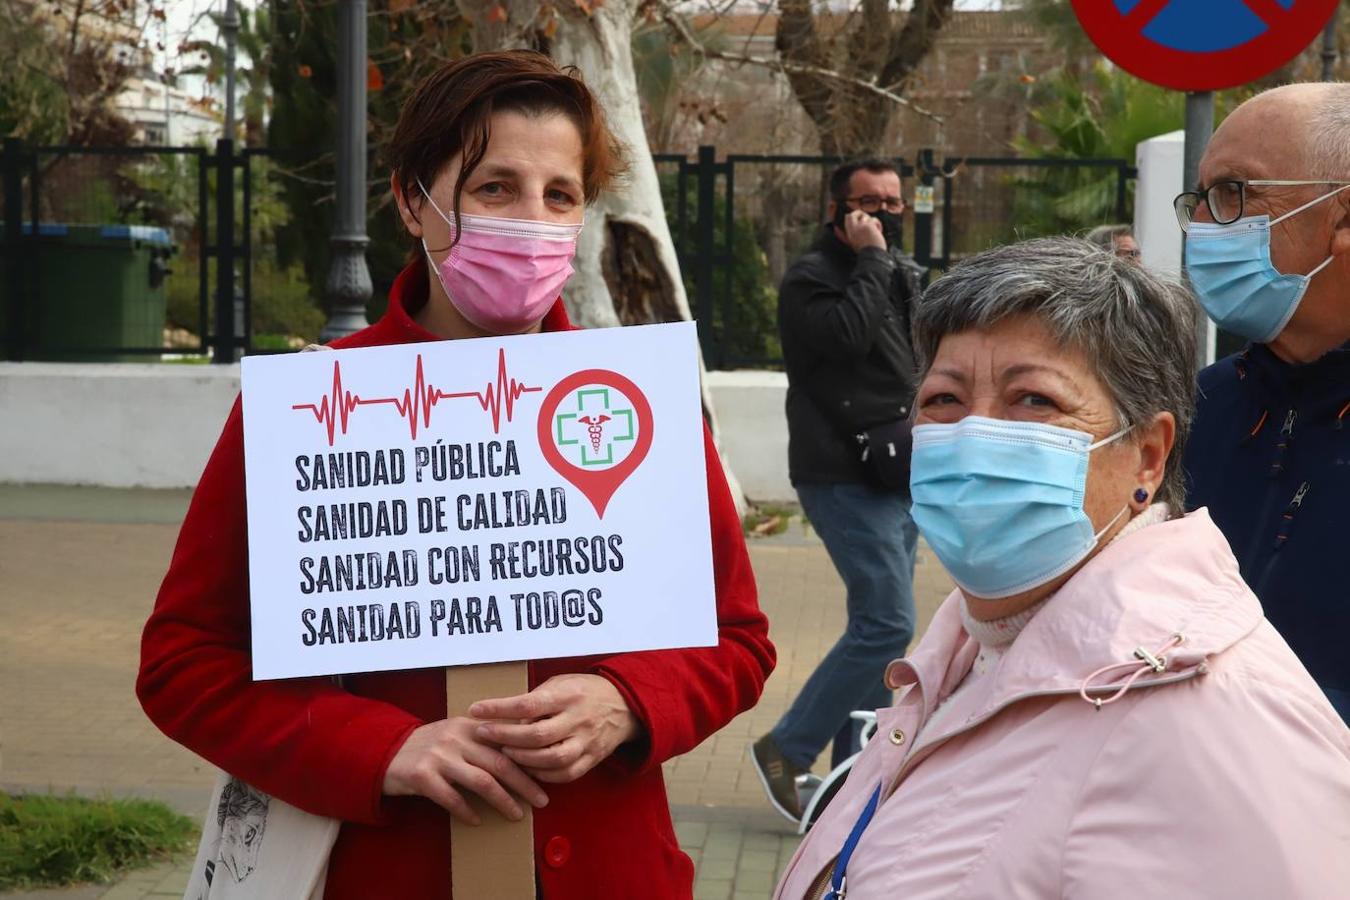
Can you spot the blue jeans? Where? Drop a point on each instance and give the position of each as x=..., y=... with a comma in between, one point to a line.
x=870, y=538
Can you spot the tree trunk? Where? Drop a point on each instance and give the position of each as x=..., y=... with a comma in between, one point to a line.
x=870, y=46
x=627, y=271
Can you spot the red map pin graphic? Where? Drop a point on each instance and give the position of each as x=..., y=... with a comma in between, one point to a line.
x=595, y=428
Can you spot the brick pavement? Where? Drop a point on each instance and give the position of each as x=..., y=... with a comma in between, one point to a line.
x=80, y=568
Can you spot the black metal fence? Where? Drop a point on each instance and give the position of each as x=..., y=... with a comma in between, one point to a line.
x=739, y=222
x=124, y=253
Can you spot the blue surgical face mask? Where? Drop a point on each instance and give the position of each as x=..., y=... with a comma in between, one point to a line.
x=1001, y=503
x=1229, y=266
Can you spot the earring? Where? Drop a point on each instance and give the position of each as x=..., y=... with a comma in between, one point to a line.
x=1140, y=496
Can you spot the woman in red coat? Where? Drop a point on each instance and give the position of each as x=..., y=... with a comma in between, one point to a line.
x=494, y=136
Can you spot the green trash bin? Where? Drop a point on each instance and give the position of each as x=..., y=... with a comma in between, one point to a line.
x=97, y=288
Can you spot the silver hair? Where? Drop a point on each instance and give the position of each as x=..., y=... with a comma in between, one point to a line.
x=1329, y=134
x=1104, y=236
x=1136, y=330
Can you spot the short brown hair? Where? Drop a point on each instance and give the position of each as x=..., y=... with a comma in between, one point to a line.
x=449, y=114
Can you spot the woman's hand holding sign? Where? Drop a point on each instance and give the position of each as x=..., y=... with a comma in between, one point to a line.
x=441, y=759
x=567, y=726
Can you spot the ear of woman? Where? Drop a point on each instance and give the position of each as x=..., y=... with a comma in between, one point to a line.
x=1153, y=443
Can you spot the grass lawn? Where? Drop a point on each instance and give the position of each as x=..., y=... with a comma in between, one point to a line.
x=48, y=840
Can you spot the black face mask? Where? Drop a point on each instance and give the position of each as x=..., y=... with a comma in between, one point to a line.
x=892, y=224
x=892, y=227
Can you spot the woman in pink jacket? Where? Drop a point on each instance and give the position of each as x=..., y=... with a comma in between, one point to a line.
x=1100, y=710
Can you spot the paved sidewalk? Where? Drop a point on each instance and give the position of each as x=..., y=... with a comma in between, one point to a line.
x=79, y=570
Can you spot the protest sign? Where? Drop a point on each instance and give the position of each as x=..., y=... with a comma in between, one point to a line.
x=476, y=501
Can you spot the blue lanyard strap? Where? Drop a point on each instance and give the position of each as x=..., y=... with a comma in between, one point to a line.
x=837, y=889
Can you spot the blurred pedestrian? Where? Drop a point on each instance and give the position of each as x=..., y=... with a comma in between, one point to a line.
x=843, y=311
x=1099, y=710
x=1268, y=253
x=1117, y=239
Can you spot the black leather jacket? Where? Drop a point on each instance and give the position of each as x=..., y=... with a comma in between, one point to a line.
x=844, y=321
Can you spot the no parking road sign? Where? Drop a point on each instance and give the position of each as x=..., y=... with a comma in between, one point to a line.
x=1202, y=45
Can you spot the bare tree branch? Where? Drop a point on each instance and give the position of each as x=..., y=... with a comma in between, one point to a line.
x=870, y=39
x=838, y=63
x=75, y=28
x=684, y=35
x=913, y=41
x=798, y=42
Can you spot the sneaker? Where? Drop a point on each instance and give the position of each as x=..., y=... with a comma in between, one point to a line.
x=779, y=777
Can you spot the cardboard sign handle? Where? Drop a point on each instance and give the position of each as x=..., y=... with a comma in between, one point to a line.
x=494, y=859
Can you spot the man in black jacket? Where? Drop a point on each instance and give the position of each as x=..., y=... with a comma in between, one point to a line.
x=843, y=311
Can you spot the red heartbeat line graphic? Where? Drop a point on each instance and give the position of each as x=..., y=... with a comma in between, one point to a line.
x=417, y=402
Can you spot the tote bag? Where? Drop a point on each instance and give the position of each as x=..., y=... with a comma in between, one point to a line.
x=256, y=847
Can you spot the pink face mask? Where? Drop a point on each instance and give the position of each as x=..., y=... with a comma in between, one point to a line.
x=504, y=275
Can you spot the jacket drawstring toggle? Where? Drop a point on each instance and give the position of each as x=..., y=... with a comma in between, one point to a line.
x=1144, y=662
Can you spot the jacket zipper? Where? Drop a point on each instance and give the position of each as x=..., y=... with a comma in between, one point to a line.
x=1282, y=445
x=1257, y=543
x=822, y=882
x=923, y=751
x=1286, y=524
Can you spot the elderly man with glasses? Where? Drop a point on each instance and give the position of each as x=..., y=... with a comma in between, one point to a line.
x=1268, y=255
x=843, y=311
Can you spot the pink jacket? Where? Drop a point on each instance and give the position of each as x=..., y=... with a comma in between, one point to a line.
x=1225, y=775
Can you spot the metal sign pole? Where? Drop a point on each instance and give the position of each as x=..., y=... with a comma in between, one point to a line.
x=1329, y=51
x=1199, y=128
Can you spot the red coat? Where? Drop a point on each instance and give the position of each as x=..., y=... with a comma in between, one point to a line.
x=325, y=749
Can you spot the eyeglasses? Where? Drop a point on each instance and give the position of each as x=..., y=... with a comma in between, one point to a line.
x=1227, y=200
x=870, y=203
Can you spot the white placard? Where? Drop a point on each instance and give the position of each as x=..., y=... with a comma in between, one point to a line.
x=472, y=501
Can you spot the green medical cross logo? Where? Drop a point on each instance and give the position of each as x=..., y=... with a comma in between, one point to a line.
x=593, y=412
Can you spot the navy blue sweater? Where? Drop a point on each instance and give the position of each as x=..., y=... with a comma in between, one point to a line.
x=1270, y=456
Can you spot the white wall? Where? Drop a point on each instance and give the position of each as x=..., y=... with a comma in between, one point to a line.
x=114, y=424
x=1160, y=161
x=754, y=430
x=153, y=425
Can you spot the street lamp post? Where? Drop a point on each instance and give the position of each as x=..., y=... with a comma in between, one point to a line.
x=229, y=27
x=231, y=320
x=349, y=286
